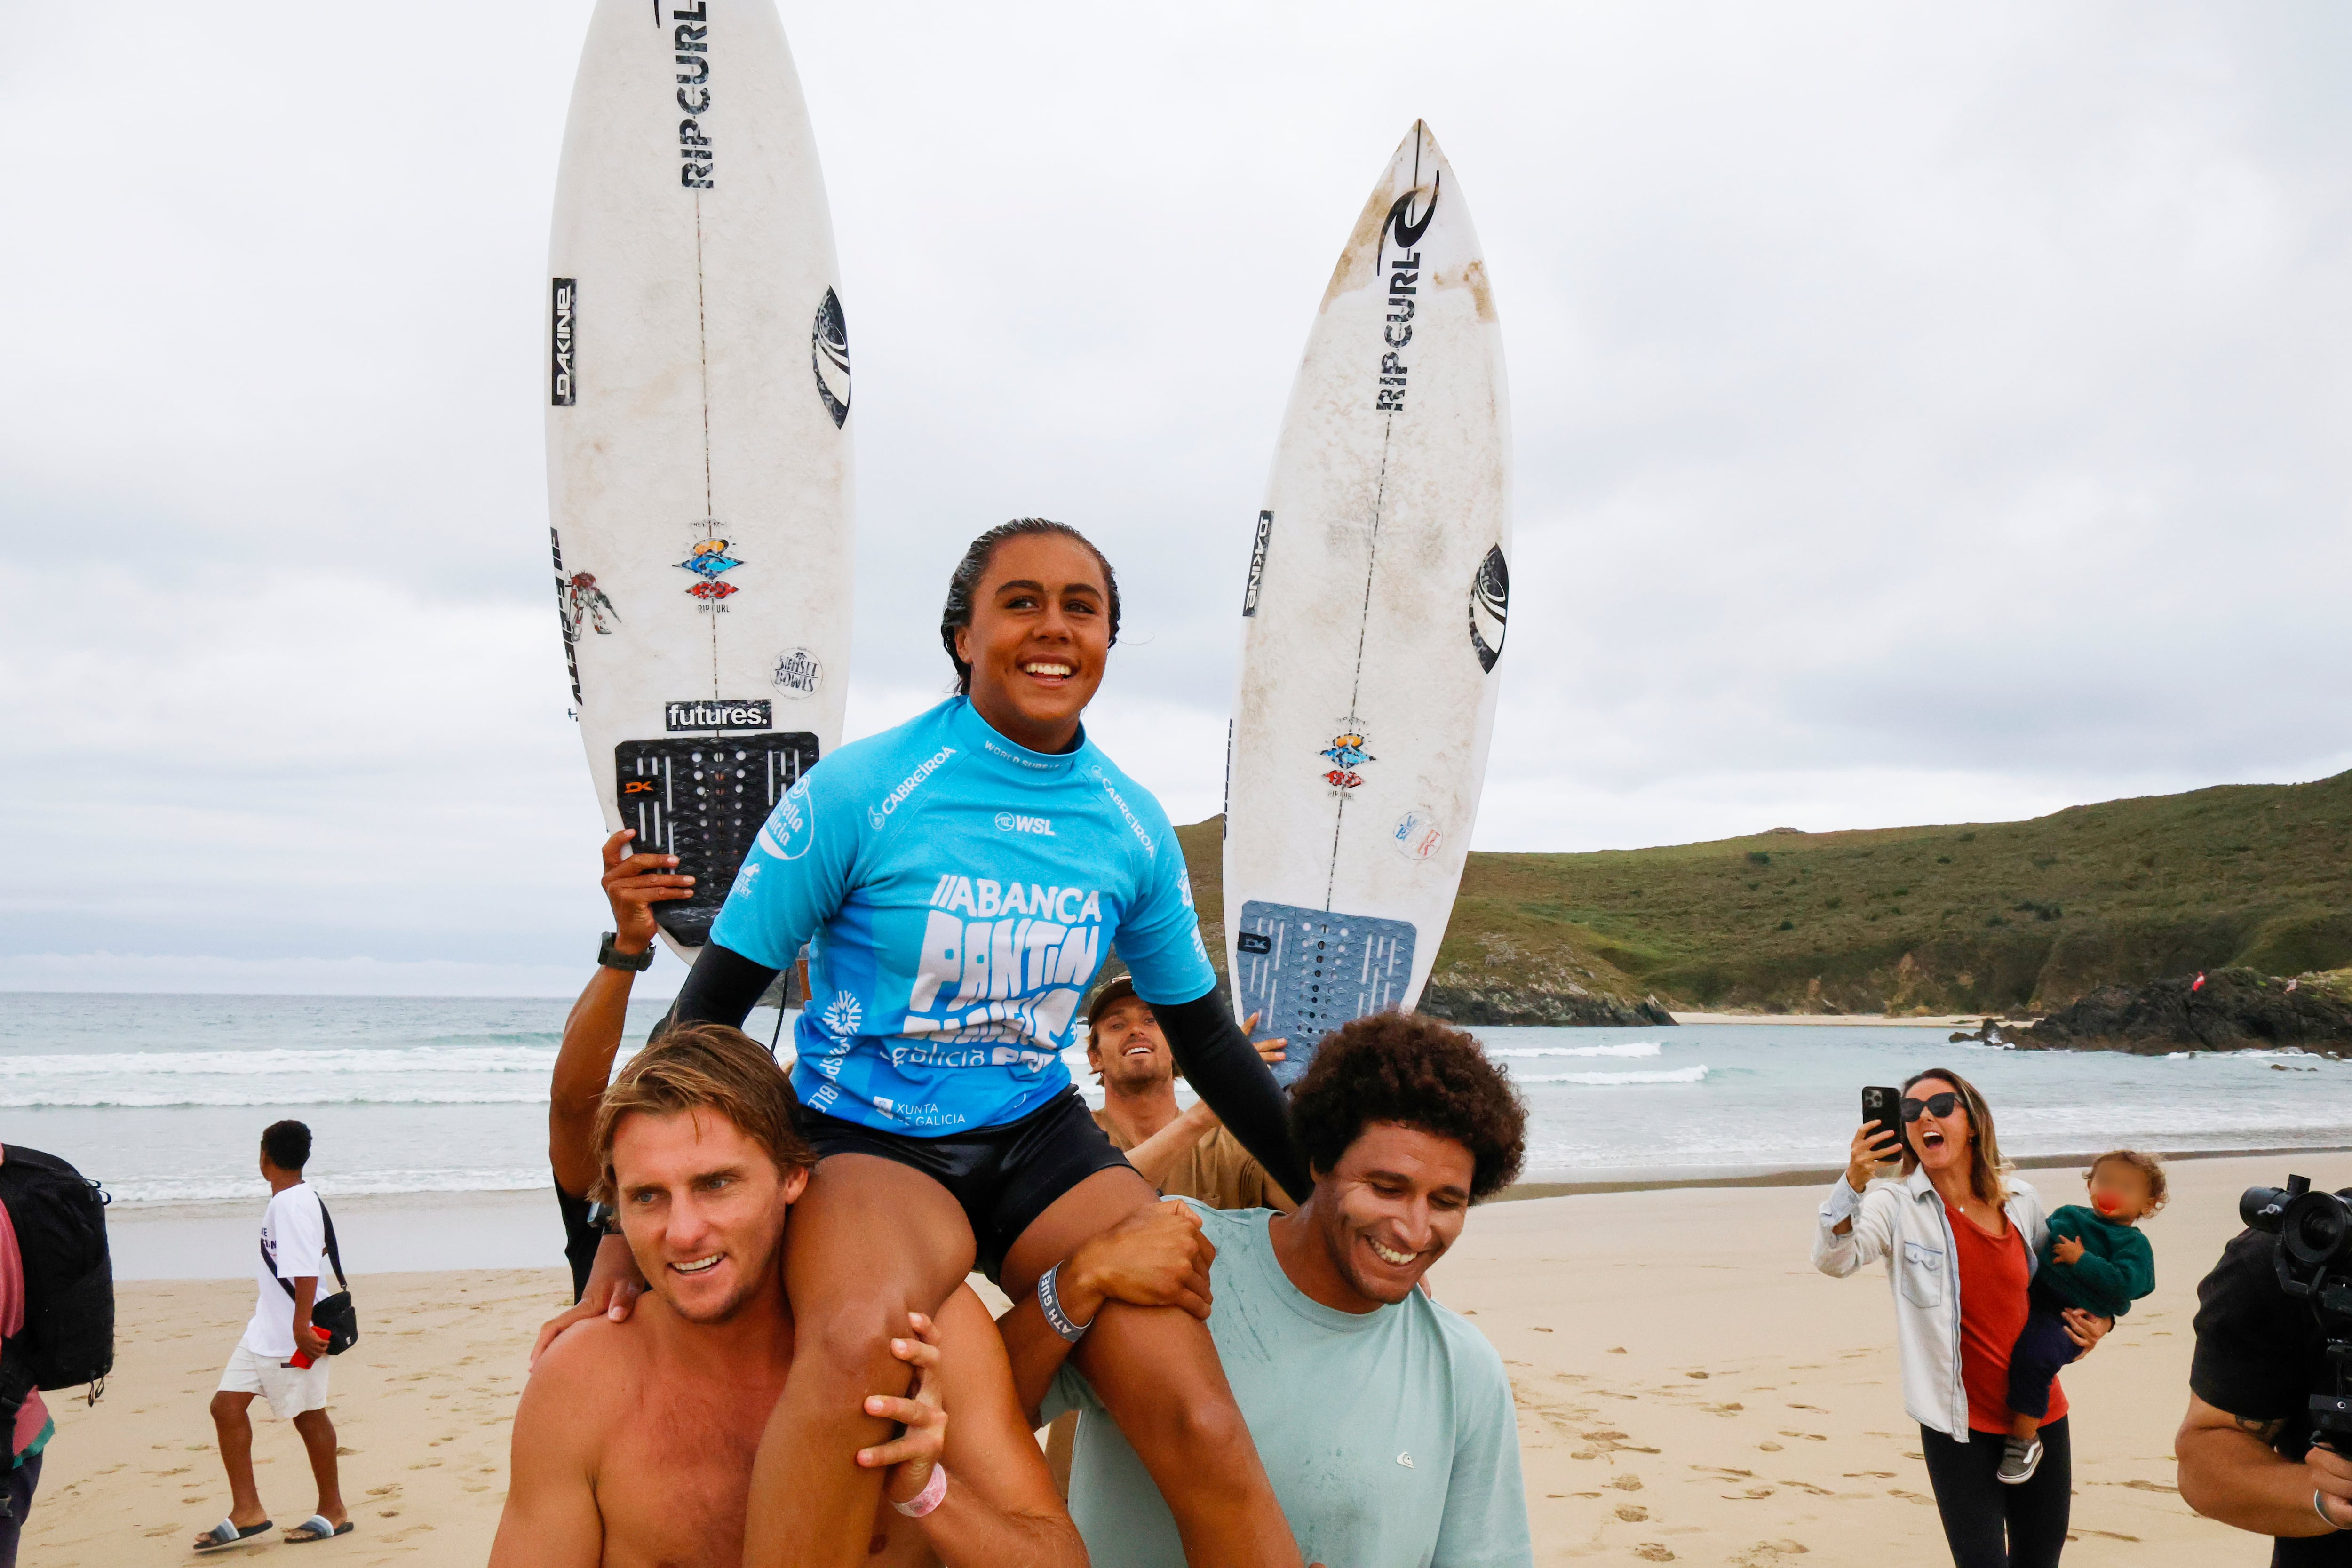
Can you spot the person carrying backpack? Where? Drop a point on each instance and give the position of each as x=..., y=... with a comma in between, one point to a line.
x=57, y=1312
x=33, y=1428
x=283, y=1355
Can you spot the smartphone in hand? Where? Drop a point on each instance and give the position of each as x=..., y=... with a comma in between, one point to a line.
x=1885, y=1106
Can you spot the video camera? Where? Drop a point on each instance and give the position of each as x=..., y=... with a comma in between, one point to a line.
x=2315, y=1265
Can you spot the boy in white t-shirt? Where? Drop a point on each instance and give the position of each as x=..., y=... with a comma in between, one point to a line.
x=282, y=1357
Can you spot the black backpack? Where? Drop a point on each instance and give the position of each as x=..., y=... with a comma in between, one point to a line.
x=60, y=1216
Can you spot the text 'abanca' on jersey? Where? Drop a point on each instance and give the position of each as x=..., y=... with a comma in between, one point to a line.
x=1012, y=972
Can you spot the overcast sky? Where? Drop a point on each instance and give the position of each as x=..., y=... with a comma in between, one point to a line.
x=1922, y=414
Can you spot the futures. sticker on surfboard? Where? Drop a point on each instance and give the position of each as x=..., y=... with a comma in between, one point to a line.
x=1374, y=618
x=698, y=442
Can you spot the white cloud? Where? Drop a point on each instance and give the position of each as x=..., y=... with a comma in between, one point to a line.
x=1920, y=414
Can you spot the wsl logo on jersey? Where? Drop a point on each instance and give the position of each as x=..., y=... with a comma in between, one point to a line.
x=1013, y=822
x=1003, y=966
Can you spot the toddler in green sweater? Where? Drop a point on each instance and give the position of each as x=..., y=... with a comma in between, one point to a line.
x=2096, y=1260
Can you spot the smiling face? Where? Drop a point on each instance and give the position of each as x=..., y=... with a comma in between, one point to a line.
x=703, y=1208
x=1039, y=638
x=1127, y=1049
x=1941, y=1142
x=1393, y=1206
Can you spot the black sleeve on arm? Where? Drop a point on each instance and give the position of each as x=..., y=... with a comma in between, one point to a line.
x=1226, y=1071
x=721, y=988
x=2259, y=1352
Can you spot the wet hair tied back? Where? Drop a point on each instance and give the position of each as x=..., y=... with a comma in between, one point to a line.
x=961, y=587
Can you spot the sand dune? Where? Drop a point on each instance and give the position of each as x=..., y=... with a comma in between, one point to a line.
x=1689, y=1390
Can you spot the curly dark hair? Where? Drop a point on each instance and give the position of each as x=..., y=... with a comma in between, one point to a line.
x=965, y=583
x=1415, y=1072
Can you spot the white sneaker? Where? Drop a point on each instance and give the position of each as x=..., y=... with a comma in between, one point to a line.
x=2018, y=1460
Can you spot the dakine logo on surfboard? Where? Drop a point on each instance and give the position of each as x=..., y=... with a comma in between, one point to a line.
x=690, y=38
x=1264, y=536
x=829, y=355
x=1404, y=276
x=1490, y=606
x=719, y=713
x=561, y=389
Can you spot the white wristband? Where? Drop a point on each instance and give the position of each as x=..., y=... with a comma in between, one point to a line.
x=934, y=1492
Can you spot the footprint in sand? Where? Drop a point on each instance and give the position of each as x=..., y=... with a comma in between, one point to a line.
x=1627, y=1483
x=1768, y=1448
x=1652, y=1552
x=1632, y=1513
x=2101, y=1535
x=1808, y=1436
x=1732, y=1409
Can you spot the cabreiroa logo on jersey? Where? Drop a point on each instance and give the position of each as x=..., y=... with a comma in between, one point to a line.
x=791, y=827
x=878, y=814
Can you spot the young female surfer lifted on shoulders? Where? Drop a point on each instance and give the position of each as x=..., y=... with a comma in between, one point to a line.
x=959, y=880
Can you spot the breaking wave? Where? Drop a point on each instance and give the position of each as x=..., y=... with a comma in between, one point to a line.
x=1605, y=1079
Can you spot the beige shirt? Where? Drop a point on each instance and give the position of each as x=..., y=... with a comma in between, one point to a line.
x=1217, y=1170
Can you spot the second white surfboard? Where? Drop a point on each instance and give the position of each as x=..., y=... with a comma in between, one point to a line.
x=1372, y=624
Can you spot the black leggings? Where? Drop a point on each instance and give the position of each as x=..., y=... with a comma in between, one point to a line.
x=1989, y=1525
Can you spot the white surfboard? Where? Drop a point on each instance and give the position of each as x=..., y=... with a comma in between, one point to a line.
x=1372, y=624
x=697, y=432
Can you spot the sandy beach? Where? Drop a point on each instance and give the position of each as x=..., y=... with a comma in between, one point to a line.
x=1689, y=1390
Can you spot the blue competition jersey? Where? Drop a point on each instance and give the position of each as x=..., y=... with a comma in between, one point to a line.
x=958, y=893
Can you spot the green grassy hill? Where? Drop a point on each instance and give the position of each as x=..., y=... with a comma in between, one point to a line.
x=1979, y=917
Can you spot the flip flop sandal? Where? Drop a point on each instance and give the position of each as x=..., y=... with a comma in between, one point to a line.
x=227, y=1533
x=316, y=1528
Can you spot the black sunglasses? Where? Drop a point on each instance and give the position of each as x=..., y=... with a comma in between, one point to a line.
x=1934, y=1105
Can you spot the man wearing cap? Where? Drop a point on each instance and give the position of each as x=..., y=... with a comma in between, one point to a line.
x=1184, y=1154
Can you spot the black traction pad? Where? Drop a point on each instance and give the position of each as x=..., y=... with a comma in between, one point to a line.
x=703, y=799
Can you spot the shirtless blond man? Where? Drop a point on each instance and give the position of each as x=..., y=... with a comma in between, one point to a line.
x=634, y=1439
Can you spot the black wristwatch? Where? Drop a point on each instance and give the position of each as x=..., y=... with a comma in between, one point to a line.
x=612, y=959
x=603, y=1217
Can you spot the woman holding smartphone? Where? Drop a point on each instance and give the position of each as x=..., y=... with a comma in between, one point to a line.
x=1959, y=1236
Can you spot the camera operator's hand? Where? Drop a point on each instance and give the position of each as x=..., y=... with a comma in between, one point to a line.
x=1872, y=1146
x=2330, y=1475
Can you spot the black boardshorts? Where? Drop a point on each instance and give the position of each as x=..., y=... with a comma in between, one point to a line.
x=1003, y=1177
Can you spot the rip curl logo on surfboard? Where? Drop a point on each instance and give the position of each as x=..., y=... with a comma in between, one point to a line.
x=1403, y=272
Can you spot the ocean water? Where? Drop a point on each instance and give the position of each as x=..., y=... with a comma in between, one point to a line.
x=163, y=1097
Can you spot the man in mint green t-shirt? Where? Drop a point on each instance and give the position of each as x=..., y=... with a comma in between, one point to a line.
x=1384, y=1421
